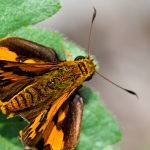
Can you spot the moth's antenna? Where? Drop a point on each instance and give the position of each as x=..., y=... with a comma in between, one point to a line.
x=128, y=91
x=90, y=32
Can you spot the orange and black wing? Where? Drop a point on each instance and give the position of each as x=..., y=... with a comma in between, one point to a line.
x=66, y=124
x=22, y=50
x=20, y=62
x=15, y=76
x=56, y=128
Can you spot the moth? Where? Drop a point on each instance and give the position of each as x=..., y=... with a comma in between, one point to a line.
x=43, y=90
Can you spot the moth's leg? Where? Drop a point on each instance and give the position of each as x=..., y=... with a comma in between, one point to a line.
x=25, y=49
x=73, y=123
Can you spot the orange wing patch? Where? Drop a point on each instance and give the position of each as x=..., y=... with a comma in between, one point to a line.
x=6, y=54
x=62, y=114
x=1, y=103
x=11, y=76
x=55, y=139
x=31, y=61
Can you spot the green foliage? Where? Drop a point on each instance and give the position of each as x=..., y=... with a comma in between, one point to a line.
x=9, y=129
x=17, y=13
x=99, y=128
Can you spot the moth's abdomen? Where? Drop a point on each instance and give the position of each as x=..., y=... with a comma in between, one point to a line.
x=23, y=100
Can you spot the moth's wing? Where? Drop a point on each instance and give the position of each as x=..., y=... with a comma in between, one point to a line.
x=48, y=128
x=8, y=91
x=14, y=76
x=21, y=50
x=65, y=128
x=31, y=113
x=72, y=123
x=33, y=133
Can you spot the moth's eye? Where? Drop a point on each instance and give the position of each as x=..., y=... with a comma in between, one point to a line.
x=79, y=57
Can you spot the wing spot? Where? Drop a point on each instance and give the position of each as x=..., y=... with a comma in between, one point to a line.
x=6, y=54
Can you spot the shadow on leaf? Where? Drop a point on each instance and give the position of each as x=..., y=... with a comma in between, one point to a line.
x=9, y=128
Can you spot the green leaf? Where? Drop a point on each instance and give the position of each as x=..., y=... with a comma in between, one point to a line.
x=18, y=13
x=99, y=128
x=9, y=131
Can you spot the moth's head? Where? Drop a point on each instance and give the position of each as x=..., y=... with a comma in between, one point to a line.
x=86, y=66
